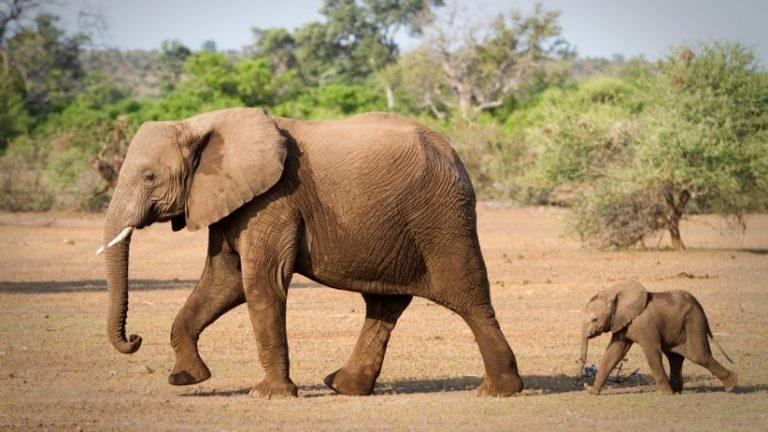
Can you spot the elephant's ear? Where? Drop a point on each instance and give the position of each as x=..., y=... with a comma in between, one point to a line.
x=631, y=298
x=235, y=154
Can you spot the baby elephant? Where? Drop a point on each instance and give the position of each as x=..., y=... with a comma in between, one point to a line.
x=671, y=322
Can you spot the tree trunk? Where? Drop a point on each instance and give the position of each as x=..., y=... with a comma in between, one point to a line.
x=110, y=159
x=674, y=215
x=464, y=104
x=674, y=234
x=390, y=97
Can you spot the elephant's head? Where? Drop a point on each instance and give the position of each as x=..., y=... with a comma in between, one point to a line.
x=193, y=172
x=611, y=310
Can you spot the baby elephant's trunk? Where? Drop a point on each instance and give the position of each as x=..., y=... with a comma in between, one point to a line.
x=583, y=357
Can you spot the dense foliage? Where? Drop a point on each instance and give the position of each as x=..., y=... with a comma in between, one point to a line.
x=631, y=146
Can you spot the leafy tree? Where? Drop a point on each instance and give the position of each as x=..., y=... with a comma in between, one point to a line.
x=277, y=45
x=47, y=63
x=12, y=14
x=356, y=39
x=208, y=46
x=41, y=70
x=14, y=118
x=211, y=69
x=422, y=76
x=639, y=156
x=481, y=67
x=706, y=132
x=172, y=56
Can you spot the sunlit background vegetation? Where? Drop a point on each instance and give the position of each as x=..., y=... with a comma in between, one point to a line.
x=631, y=146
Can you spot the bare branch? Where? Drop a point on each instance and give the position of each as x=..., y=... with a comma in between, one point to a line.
x=13, y=11
x=485, y=65
x=489, y=105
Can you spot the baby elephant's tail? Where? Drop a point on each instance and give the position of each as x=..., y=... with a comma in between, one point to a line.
x=717, y=344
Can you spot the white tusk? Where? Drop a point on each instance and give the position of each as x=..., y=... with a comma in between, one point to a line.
x=120, y=237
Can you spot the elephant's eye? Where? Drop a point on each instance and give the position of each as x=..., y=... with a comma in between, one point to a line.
x=148, y=176
x=594, y=319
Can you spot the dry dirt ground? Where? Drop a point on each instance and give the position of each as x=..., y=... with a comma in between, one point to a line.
x=58, y=372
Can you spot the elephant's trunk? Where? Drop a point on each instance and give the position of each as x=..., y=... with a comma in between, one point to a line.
x=116, y=258
x=583, y=357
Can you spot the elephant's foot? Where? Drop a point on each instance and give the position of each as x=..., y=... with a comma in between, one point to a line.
x=275, y=388
x=664, y=389
x=187, y=373
x=591, y=389
x=503, y=385
x=731, y=381
x=676, y=384
x=349, y=383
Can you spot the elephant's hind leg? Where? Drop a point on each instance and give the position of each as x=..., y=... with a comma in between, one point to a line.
x=728, y=377
x=698, y=351
x=218, y=291
x=359, y=373
x=675, y=371
x=459, y=281
x=501, y=376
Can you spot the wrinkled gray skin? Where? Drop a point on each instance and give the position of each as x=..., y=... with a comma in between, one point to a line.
x=374, y=204
x=672, y=323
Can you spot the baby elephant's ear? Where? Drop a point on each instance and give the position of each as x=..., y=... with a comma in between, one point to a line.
x=631, y=298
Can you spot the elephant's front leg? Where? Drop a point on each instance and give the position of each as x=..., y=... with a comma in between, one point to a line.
x=652, y=352
x=358, y=375
x=219, y=290
x=267, y=260
x=266, y=306
x=616, y=351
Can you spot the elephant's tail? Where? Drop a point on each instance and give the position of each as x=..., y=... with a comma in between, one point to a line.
x=717, y=344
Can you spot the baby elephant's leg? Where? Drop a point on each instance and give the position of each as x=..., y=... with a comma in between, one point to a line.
x=675, y=371
x=616, y=351
x=728, y=377
x=653, y=356
x=698, y=352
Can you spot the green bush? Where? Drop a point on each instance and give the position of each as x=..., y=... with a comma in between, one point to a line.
x=333, y=101
x=610, y=216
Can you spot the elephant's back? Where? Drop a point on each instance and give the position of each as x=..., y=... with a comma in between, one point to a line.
x=377, y=193
x=377, y=152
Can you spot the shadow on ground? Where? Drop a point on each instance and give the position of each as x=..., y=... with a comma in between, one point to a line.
x=534, y=385
x=756, y=251
x=757, y=388
x=53, y=287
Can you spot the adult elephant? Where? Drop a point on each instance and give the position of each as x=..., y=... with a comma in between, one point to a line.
x=374, y=204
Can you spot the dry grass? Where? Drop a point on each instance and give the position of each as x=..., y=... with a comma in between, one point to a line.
x=58, y=372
